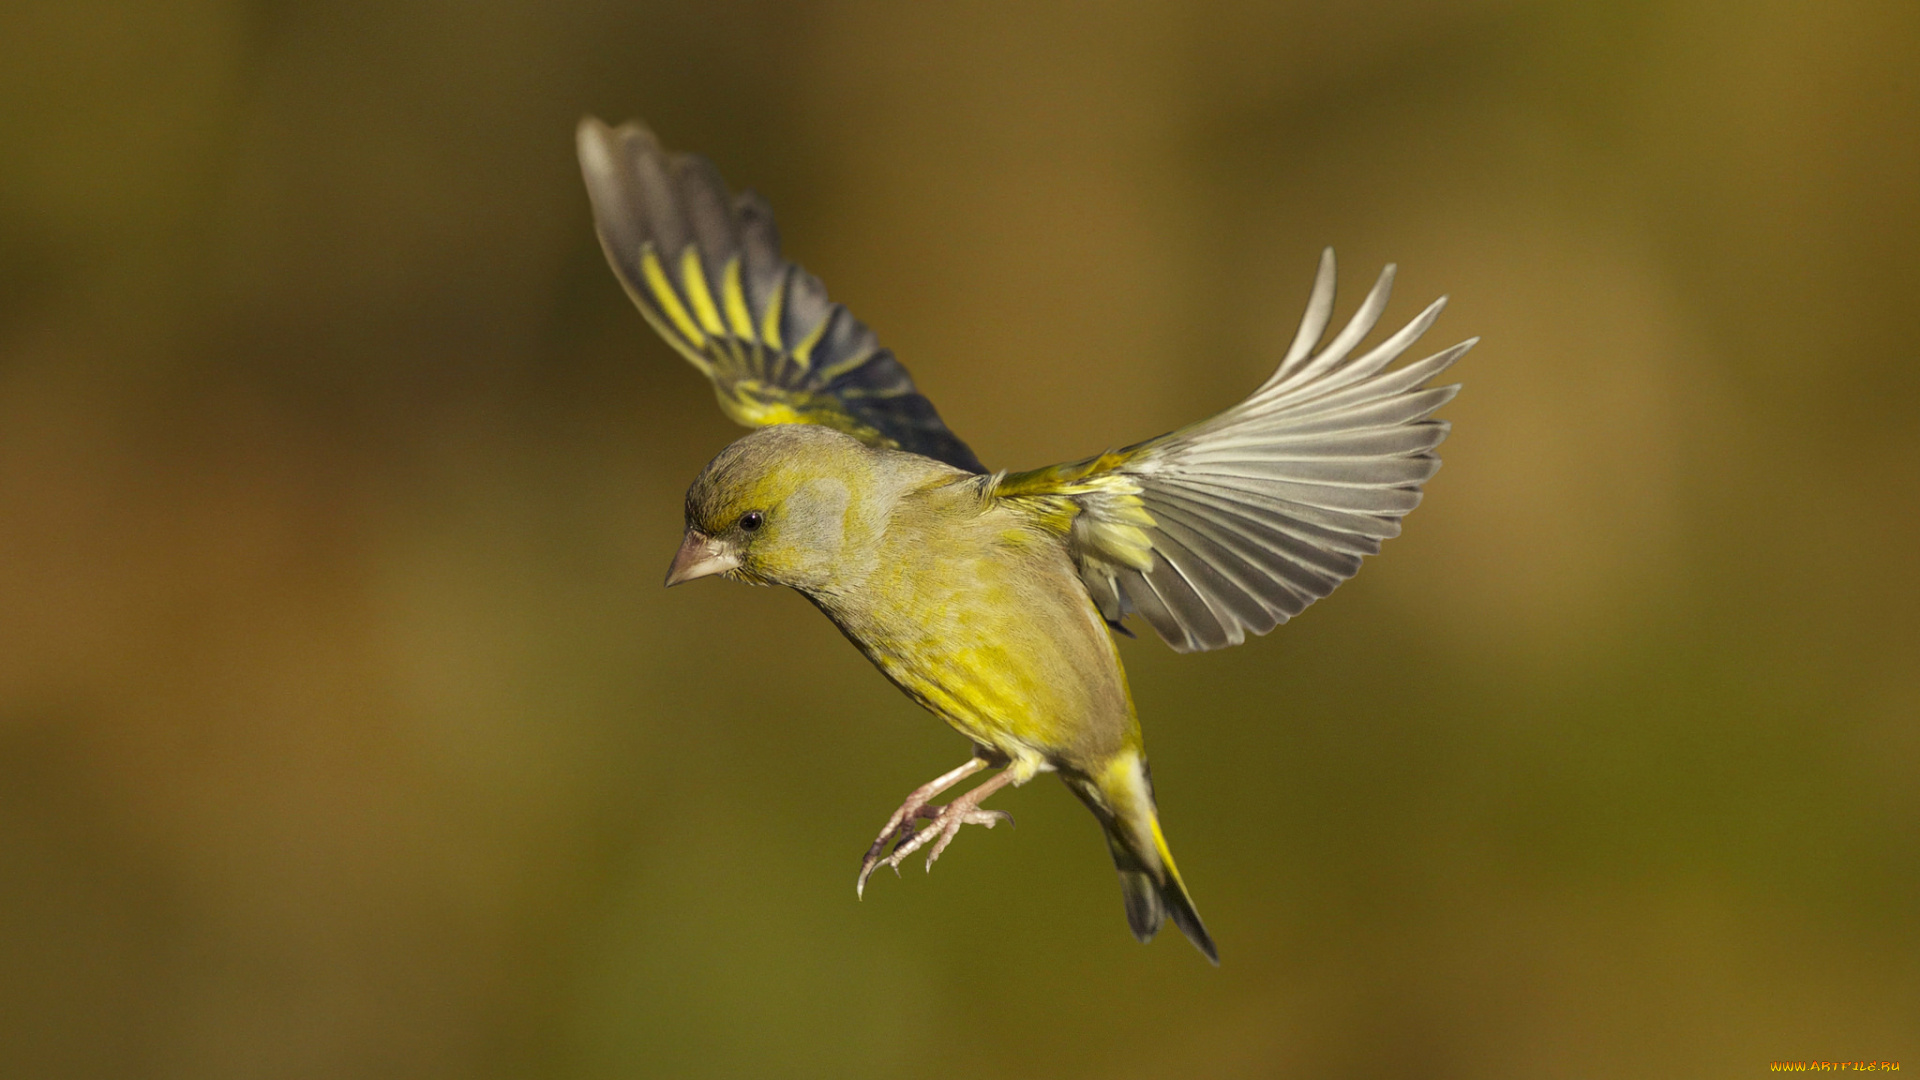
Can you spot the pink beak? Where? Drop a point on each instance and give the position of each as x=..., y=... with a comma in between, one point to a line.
x=699, y=556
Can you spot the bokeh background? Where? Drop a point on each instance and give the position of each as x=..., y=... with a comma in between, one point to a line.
x=345, y=729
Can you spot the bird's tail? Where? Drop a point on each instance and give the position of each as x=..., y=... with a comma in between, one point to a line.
x=1122, y=798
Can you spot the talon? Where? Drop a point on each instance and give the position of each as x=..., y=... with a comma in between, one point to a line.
x=989, y=818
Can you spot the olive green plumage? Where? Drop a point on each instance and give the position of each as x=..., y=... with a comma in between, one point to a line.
x=988, y=598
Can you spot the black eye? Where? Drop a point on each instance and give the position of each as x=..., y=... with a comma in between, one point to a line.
x=751, y=521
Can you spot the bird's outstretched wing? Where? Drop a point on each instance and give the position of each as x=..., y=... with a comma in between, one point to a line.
x=705, y=268
x=1238, y=522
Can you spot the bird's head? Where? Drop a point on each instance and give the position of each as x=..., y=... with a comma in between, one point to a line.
x=779, y=506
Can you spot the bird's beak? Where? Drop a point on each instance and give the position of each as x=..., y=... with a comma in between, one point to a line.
x=700, y=556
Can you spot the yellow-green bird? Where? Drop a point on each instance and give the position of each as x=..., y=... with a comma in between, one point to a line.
x=990, y=597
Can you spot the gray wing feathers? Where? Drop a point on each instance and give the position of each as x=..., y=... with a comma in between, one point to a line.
x=1269, y=506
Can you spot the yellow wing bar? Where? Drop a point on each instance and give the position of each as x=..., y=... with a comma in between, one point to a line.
x=705, y=269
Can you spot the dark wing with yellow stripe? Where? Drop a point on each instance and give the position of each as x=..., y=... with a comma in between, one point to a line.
x=705, y=268
x=1237, y=523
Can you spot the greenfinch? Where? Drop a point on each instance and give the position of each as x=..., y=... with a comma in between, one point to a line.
x=991, y=598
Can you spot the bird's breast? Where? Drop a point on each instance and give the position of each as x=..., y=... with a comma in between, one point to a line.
x=988, y=626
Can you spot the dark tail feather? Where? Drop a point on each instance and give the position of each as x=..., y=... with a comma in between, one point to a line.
x=1154, y=894
x=1145, y=910
x=1180, y=910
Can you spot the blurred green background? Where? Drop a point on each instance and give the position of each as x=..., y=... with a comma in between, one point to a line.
x=345, y=729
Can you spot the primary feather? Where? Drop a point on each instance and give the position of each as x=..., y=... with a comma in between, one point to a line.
x=1238, y=522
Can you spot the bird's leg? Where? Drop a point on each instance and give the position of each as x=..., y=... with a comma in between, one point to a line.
x=899, y=827
x=947, y=820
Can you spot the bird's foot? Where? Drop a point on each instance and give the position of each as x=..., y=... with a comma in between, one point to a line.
x=946, y=825
x=905, y=837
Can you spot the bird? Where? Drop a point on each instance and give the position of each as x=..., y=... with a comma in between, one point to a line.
x=993, y=598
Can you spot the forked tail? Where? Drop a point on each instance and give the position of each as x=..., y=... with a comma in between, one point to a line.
x=1122, y=798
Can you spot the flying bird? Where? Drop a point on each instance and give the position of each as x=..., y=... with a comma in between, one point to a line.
x=992, y=598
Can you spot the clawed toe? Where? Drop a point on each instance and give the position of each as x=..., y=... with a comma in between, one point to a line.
x=988, y=818
x=896, y=833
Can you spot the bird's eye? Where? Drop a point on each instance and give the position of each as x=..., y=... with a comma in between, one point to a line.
x=751, y=521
